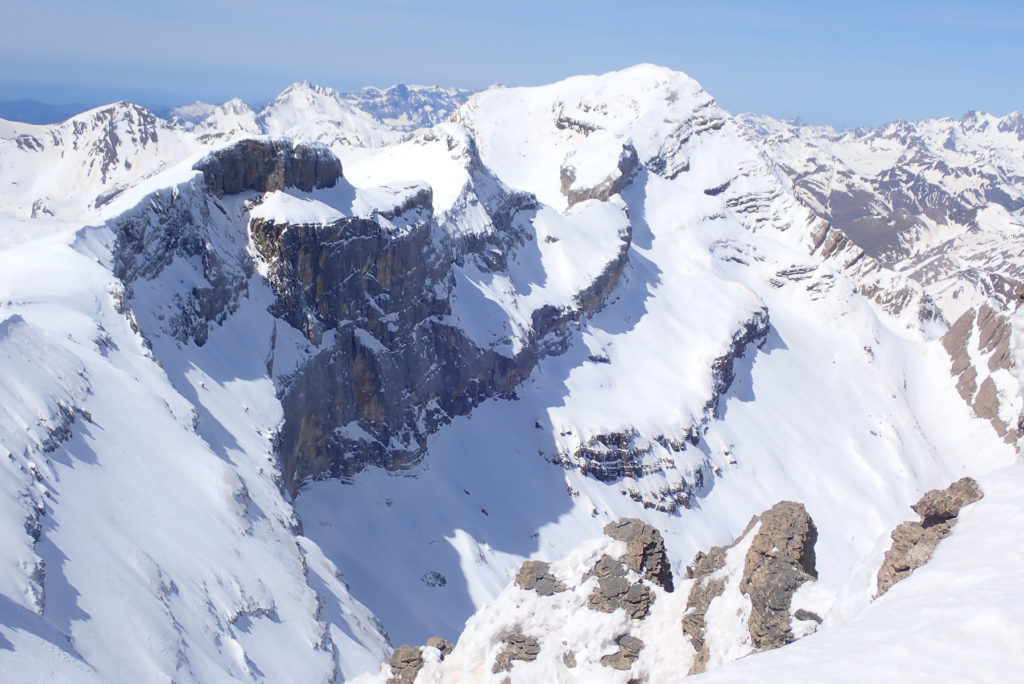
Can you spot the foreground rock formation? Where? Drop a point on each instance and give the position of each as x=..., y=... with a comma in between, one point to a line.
x=914, y=542
x=777, y=558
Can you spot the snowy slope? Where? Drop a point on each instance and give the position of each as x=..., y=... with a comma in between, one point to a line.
x=649, y=321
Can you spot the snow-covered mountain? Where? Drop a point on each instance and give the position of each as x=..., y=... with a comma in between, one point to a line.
x=408, y=107
x=942, y=203
x=315, y=382
x=904, y=187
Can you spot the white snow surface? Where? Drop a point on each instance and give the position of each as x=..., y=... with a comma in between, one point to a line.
x=166, y=551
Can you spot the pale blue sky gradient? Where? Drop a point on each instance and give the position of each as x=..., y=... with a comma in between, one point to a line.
x=840, y=63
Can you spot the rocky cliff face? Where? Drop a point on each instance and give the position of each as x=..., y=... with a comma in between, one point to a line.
x=269, y=165
x=379, y=287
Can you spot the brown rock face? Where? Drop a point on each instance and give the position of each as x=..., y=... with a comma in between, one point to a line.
x=395, y=370
x=913, y=543
x=517, y=647
x=780, y=559
x=629, y=651
x=406, y=662
x=943, y=504
x=442, y=645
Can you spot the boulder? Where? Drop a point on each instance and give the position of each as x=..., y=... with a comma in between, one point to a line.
x=645, y=550
x=536, y=576
x=780, y=559
x=406, y=662
x=944, y=504
x=629, y=651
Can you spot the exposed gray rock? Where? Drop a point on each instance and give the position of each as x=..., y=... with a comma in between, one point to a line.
x=606, y=565
x=517, y=647
x=536, y=576
x=396, y=368
x=645, y=550
x=267, y=165
x=406, y=663
x=629, y=651
x=569, y=658
x=913, y=543
x=616, y=591
x=780, y=559
x=703, y=590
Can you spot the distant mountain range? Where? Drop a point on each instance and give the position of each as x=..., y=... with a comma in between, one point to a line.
x=402, y=106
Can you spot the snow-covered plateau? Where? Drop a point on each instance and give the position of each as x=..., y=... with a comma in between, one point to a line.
x=588, y=382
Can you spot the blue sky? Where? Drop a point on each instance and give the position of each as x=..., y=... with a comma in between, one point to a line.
x=841, y=63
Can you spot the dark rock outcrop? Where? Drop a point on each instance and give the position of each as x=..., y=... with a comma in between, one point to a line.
x=914, y=542
x=395, y=371
x=645, y=550
x=517, y=647
x=536, y=576
x=629, y=651
x=268, y=165
x=780, y=559
x=615, y=591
